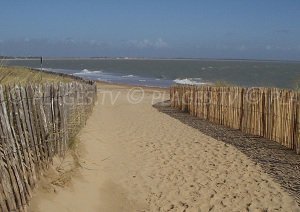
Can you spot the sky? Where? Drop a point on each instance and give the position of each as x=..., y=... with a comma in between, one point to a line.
x=246, y=29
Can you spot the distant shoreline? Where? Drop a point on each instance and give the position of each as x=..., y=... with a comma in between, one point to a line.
x=151, y=59
x=163, y=72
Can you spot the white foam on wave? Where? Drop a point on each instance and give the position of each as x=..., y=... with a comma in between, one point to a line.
x=128, y=76
x=103, y=80
x=187, y=81
x=86, y=72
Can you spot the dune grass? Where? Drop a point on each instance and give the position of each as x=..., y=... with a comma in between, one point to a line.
x=21, y=75
x=297, y=85
x=221, y=83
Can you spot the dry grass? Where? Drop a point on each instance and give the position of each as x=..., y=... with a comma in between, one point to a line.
x=297, y=86
x=20, y=75
x=221, y=83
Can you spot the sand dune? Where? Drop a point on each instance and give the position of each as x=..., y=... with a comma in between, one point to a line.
x=133, y=158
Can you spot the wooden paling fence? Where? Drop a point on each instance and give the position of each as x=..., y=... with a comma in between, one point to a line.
x=73, y=77
x=272, y=113
x=37, y=122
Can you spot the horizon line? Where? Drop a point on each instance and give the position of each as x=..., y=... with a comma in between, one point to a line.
x=147, y=58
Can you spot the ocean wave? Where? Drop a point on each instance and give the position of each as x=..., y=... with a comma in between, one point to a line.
x=103, y=80
x=128, y=76
x=187, y=81
x=86, y=72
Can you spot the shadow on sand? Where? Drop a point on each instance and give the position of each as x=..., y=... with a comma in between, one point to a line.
x=282, y=164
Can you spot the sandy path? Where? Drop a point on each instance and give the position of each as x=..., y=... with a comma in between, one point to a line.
x=134, y=158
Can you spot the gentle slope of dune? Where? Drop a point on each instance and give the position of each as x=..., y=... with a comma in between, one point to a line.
x=133, y=158
x=22, y=75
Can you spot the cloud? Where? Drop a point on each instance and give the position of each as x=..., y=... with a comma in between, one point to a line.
x=268, y=47
x=280, y=48
x=158, y=43
x=242, y=47
x=282, y=31
x=97, y=44
x=69, y=40
x=148, y=48
x=93, y=42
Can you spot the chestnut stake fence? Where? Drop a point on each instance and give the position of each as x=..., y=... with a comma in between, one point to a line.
x=271, y=113
x=37, y=122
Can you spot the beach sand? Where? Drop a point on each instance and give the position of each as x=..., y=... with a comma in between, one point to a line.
x=130, y=157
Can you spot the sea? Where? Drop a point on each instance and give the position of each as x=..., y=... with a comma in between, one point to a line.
x=165, y=72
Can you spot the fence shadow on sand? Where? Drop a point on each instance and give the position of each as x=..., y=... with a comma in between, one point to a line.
x=281, y=163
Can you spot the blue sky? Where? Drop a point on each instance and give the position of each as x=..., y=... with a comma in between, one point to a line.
x=259, y=29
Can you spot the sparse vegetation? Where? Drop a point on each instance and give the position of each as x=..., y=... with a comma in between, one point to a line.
x=297, y=87
x=21, y=75
x=222, y=84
